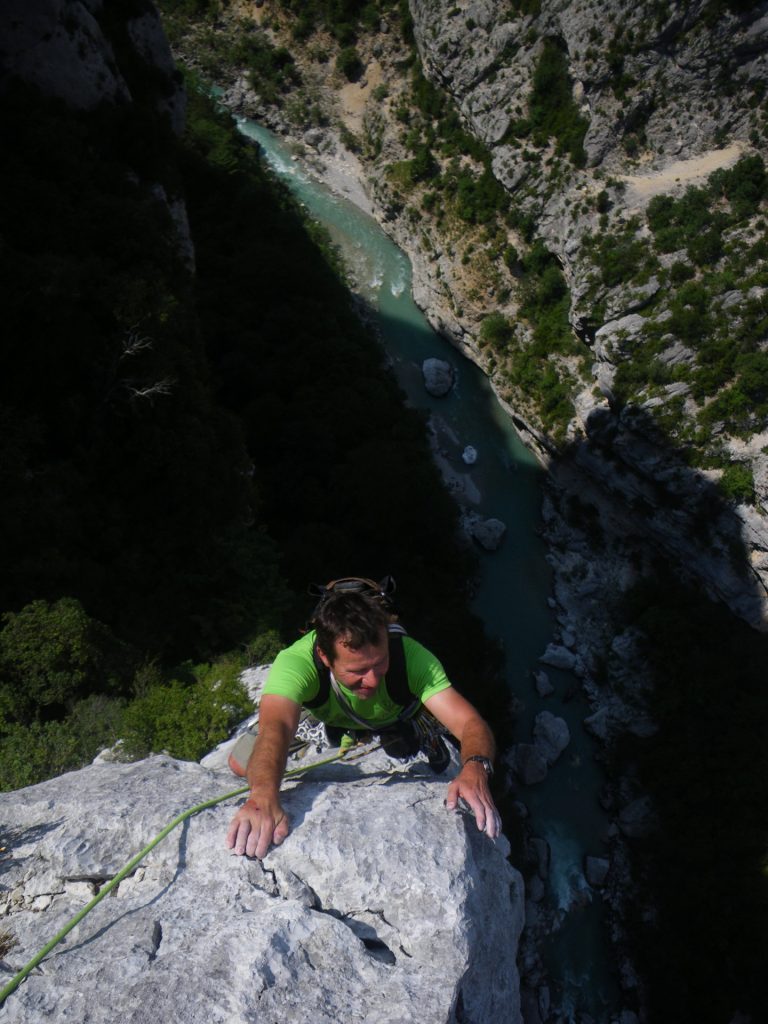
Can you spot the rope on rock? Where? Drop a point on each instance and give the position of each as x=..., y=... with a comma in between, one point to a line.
x=17, y=979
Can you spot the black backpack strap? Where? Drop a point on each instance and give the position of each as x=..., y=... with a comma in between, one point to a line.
x=397, y=675
x=324, y=676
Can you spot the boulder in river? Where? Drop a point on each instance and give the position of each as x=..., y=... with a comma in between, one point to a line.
x=489, y=533
x=558, y=657
x=551, y=735
x=544, y=687
x=469, y=455
x=596, y=870
x=528, y=763
x=438, y=377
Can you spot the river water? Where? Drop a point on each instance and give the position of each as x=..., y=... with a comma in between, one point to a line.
x=514, y=583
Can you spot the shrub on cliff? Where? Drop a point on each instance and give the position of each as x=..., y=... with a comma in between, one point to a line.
x=186, y=717
x=52, y=654
x=551, y=109
x=348, y=63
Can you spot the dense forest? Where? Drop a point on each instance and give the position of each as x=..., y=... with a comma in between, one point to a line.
x=185, y=450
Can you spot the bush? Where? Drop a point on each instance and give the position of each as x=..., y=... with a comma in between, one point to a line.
x=40, y=750
x=348, y=63
x=552, y=111
x=186, y=719
x=680, y=272
x=738, y=483
x=496, y=331
x=51, y=654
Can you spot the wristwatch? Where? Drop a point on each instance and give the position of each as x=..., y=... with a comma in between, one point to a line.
x=484, y=761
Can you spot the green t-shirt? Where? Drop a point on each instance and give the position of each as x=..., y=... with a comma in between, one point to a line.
x=294, y=675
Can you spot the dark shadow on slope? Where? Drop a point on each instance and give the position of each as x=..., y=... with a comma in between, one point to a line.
x=699, y=917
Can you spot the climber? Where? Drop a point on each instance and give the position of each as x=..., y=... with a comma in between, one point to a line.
x=356, y=671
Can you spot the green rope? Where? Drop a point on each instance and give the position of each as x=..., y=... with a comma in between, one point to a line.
x=14, y=983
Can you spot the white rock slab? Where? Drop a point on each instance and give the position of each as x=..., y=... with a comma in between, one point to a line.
x=380, y=906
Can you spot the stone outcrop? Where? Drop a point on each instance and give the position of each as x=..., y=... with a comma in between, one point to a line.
x=485, y=54
x=530, y=762
x=379, y=906
x=85, y=56
x=77, y=52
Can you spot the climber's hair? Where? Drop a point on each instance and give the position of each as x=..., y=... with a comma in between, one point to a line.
x=354, y=620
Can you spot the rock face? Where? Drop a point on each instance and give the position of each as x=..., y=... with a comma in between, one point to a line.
x=380, y=906
x=77, y=53
x=643, y=81
x=88, y=57
x=673, y=57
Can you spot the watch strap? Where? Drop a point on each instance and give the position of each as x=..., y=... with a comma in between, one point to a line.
x=484, y=761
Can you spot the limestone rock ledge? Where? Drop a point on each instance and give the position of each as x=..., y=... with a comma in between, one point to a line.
x=379, y=907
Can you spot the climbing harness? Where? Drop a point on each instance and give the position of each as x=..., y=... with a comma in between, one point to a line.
x=17, y=979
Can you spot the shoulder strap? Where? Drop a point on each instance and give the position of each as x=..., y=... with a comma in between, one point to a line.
x=397, y=676
x=324, y=676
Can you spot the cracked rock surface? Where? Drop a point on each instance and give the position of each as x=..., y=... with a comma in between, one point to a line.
x=380, y=907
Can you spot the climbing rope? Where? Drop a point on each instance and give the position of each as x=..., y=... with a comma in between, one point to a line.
x=17, y=979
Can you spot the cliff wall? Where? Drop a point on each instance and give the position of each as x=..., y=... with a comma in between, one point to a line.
x=613, y=290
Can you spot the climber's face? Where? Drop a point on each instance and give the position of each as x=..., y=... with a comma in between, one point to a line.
x=361, y=669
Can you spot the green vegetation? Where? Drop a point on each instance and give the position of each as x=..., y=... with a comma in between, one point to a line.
x=706, y=872
x=532, y=7
x=552, y=112
x=533, y=365
x=343, y=18
x=496, y=331
x=697, y=220
x=710, y=300
x=348, y=63
x=187, y=716
x=738, y=483
x=235, y=43
x=438, y=142
x=621, y=256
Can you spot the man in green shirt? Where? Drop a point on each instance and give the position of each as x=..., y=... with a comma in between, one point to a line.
x=352, y=641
